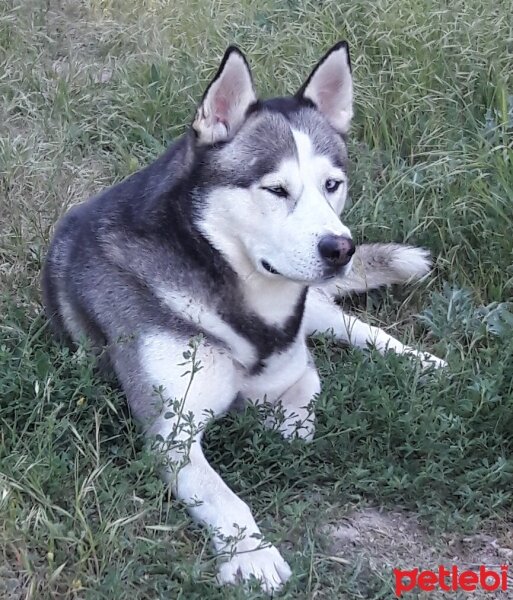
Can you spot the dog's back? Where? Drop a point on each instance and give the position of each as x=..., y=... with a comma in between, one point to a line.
x=85, y=261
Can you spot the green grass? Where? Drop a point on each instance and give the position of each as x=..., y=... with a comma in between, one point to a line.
x=93, y=90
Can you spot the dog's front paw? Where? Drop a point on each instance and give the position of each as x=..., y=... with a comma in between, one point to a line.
x=429, y=361
x=293, y=425
x=303, y=429
x=265, y=564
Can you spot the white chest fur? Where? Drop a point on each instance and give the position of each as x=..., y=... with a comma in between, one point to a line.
x=282, y=370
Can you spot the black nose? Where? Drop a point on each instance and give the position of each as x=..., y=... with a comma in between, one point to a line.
x=336, y=250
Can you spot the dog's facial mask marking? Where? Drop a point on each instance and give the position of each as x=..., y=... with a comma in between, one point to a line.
x=297, y=212
x=226, y=101
x=274, y=223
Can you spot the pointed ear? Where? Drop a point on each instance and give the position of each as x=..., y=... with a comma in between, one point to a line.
x=229, y=95
x=330, y=87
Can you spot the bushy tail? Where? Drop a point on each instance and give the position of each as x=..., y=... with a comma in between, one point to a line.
x=376, y=265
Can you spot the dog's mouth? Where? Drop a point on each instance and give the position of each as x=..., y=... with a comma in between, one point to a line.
x=269, y=268
x=333, y=272
x=328, y=275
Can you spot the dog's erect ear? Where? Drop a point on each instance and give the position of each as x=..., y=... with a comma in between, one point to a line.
x=223, y=107
x=330, y=87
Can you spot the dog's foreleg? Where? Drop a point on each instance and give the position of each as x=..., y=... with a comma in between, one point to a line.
x=190, y=401
x=296, y=405
x=323, y=315
x=236, y=537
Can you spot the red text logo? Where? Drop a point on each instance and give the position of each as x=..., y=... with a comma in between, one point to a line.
x=451, y=580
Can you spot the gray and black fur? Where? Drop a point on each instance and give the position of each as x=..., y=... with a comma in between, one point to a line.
x=112, y=256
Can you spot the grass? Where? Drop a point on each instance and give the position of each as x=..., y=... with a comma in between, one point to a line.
x=93, y=90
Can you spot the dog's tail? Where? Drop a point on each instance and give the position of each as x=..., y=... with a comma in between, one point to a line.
x=376, y=265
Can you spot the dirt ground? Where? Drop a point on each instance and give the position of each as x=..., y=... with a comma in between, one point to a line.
x=387, y=540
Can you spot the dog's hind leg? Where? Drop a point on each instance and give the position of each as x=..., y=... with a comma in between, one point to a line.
x=323, y=315
x=189, y=395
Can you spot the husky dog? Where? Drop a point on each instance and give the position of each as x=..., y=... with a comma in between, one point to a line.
x=232, y=238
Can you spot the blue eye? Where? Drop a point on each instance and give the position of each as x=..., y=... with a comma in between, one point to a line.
x=332, y=185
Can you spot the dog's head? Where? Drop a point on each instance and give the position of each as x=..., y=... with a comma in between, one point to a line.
x=273, y=172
